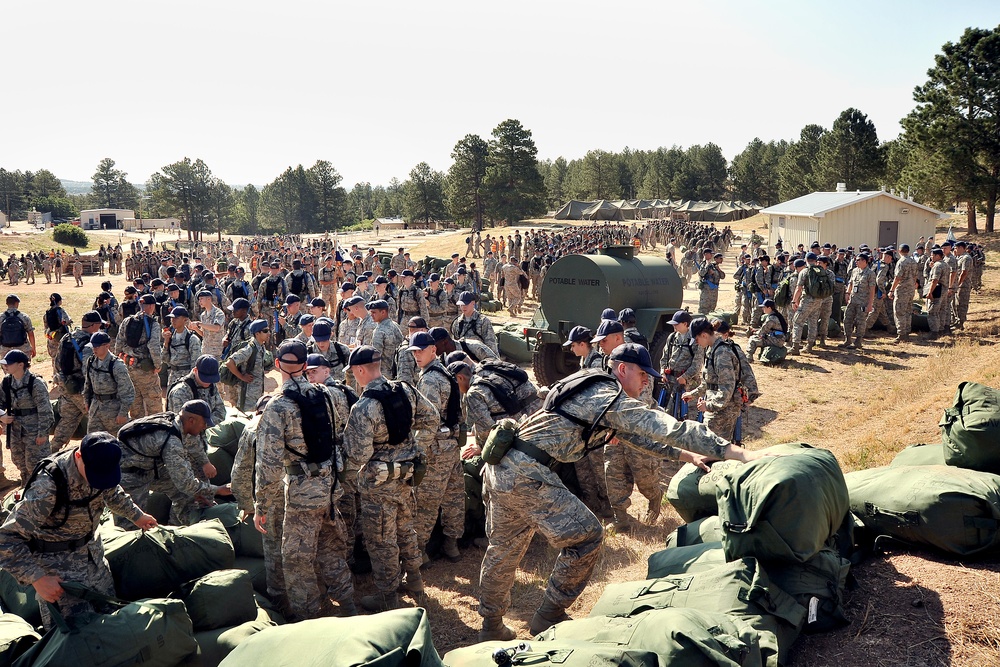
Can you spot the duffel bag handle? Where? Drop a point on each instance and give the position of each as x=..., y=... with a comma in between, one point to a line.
x=78, y=590
x=907, y=518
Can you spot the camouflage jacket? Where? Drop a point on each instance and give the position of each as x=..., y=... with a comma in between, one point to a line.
x=150, y=344
x=478, y=326
x=108, y=378
x=386, y=338
x=28, y=393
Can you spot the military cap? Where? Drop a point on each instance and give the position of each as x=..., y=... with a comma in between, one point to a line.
x=353, y=301
x=417, y=322
x=577, y=334
x=204, y=293
x=101, y=453
x=100, y=338
x=465, y=298
x=680, y=317
x=407, y=273
x=147, y=300
x=377, y=304
x=93, y=317
x=347, y=287
x=316, y=361
x=292, y=298
x=18, y=357
x=632, y=353
x=607, y=328
x=366, y=354
x=420, y=340
x=381, y=280
x=438, y=334
x=294, y=348
x=318, y=303
x=179, y=311
x=321, y=331
x=257, y=326
x=306, y=319
x=240, y=304
x=434, y=277
x=200, y=408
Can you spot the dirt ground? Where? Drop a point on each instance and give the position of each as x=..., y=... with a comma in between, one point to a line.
x=905, y=608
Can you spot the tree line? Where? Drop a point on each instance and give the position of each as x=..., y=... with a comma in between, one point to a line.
x=948, y=152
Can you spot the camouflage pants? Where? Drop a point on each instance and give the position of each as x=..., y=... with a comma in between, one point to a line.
x=747, y=309
x=937, y=314
x=72, y=410
x=102, y=415
x=52, y=349
x=590, y=475
x=435, y=320
x=880, y=315
x=807, y=315
x=624, y=465
x=313, y=547
x=826, y=312
x=516, y=507
x=347, y=505
x=962, y=303
x=443, y=487
x=329, y=294
x=708, y=299
x=24, y=453
x=148, y=397
x=723, y=422
x=86, y=566
x=514, y=297
x=273, y=570
x=387, y=521
x=536, y=285
x=902, y=313
x=247, y=395
x=855, y=319
x=762, y=342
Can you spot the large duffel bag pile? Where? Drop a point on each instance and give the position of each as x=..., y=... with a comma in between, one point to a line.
x=391, y=639
x=543, y=654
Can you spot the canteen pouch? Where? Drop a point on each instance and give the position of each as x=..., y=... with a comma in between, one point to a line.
x=499, y=441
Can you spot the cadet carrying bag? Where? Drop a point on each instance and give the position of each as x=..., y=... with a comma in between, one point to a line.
x=136, y=454
x=396, y=409
x=953, y=510
x=970, y=428
x=12, y=330
x=782, y=508
x=316, y=413
x=563, y=390
x=505, y=388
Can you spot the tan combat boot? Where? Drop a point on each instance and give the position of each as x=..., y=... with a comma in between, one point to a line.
x=380, y=602
x=548, y=614
x=494, y=630
x=450, y=549
x=413, y=582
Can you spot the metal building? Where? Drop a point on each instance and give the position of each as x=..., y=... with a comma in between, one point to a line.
x=850, y=218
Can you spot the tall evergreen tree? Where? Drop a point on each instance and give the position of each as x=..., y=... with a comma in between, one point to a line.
x=515, y=188
x=111, y=188
x=329, y=196
x=466, y=180
x=797, y=167
x=850, y=153
x=184, y=189
x=425, y=194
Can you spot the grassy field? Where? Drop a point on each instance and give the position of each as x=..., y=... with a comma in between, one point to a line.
x=906, y=608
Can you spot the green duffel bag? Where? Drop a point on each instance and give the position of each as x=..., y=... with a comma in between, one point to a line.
x=565, y=653
x=951, y=509
x=970, y=428
x=398, y=638
x=220, y=599
x=257, y=571
x=678, y=636
x=833, y=329
x=782, y=508
x=266, y=610
x=703, y=530
x=223, y=462
x=920, y=455
x=19, y=600
x=730, y=318
x=16, y=637
x=741, y=587
x=818, y=585
x=153, y=563
x=156, y=633
x=227, y=434
x=247, y=540
x=692, y=490
x=773, y=354
x=215, y=645
x=678, y=560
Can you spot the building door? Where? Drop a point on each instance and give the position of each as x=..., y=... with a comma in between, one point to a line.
x=888, y=233
x=108, y=221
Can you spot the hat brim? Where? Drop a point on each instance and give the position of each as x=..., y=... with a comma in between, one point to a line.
x=214, y=378
x=107, y=479
x=569, y=343
x=419, y=347
x=598, y=338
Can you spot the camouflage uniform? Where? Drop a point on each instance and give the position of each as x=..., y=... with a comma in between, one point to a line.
x=511, y=288
x=146, y=381
x=406, y=366
x=328, y=285
x=211, y=344
x=308, y=287
x=249, y=393
x=387, y=508
x=443, y=486
x=175, y=477
x=266, y=308
x=937, y=310
x=476, y=350
x=902, y=305
x=28, y=402
x=769, y=334
x=483, y=410
x=808, y=314
x=108, y=391
x=313, y=540
x=412, y=302
x=437, y=305
x=524, y=496
x=720, y=387
x=180, y=353
x=840, y=271
x=366, y=328
x=337, y=354
x=594, y=359
x=883, y=304
x=855, y=316
x=711, y=277
x=237, y=333
x=682, y=358
x=826, y=309
x=73, y=552
x=291, y=326
x=26, y=322
x=386, y=338
x=745, y=301
x=72, y=407
x=478, y=326
x=187, y=389
x=963, y=291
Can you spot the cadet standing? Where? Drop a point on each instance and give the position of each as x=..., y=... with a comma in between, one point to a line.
x=43, y=543
x=386, y=338
x=16, y=330
x=211, y=325
x=386, y=494
x=201, y=383
x=141, y=347
x=250, y=363
x=523, y=495
x=107, y=388
x=25, y=398
x=860, y=295
x=472, y=324
x=74, y=352
x=901, y=293
x=719, y=395
x=711, y=277
x=297, y=459
x=180, y=345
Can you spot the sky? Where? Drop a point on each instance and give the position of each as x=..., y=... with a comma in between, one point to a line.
x=377, y=86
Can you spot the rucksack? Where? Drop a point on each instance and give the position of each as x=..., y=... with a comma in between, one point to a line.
x=745, y=377
x=12, y=330
x=505, y=393
x=817, y=283
x=783, y=295
x=453, y=412
x=271, y=288
x=318, y=428
x=298, y=281
x=10, y=394
x=562, y=390
x=63, y=503
x=134, y=452
x=54, y=322
x=135, y=327
x=130, y=308
x=397, y=410
x=238, y=290
x=70, y=356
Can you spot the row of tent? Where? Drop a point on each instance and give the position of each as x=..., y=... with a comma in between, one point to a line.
x=640, y=209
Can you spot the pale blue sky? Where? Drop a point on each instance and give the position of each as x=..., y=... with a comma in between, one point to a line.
x=376, y=87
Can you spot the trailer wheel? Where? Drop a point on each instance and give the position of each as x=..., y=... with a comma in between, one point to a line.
x=552, y=362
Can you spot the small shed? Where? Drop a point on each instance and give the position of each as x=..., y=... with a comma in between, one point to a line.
x=105, y=218
x=850, y=218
